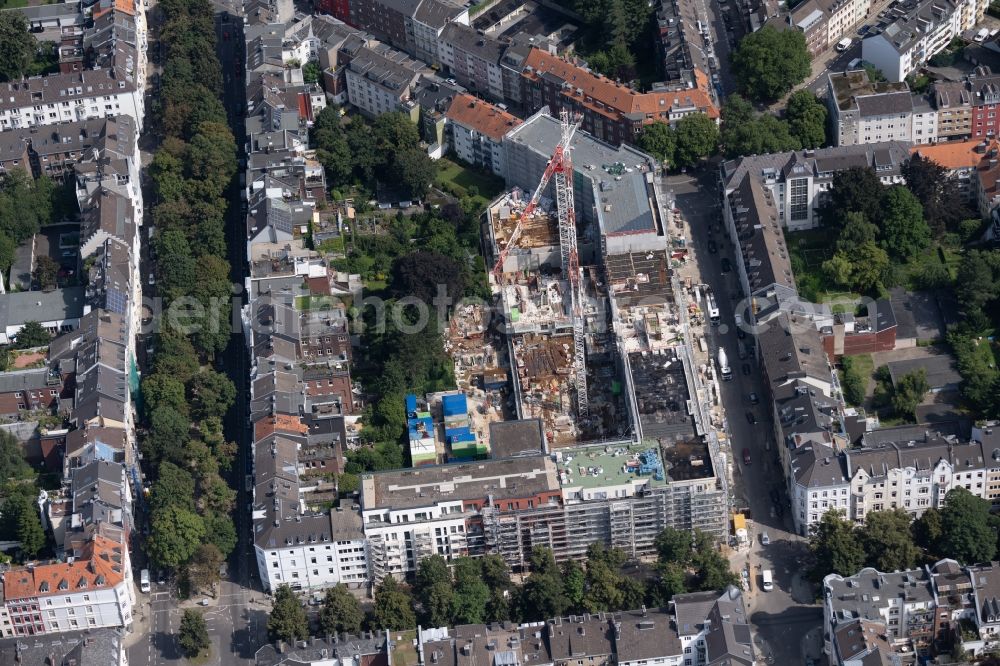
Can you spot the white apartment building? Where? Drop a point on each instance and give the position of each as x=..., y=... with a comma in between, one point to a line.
x=917, y=31
x=925, y=121
x=91, y=93
x=94, y=590
x=912, y=475
x=864, y=111
x=411, y=514
x=428, y=22
x=843, y=16
x=817, y=484
x=381, y=79
x=293, y=546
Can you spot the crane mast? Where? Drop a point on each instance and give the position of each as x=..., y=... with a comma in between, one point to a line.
x=562, y=164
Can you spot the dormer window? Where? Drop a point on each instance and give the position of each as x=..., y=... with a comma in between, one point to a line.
x=63, y=584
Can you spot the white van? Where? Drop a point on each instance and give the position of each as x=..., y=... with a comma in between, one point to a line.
x=981, y=35
x=144, y=581
x=844, y=44
x=768, y=580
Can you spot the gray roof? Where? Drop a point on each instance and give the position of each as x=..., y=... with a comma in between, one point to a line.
x=96, y=647
x=941, y=370
x=862, y=595
x=580, y=637
x=425, y=486
x=41, y=306
x=692, y=609
x=790, y=348
x=315, y=649
x=762, y=240
x=436, y=13
x=822, y=163
x=646, y=635
x=62, y=88
x=728, y=640
x=622, y=205
x=388, y=68
x=25, y=380
x=817, y=465
x=468, y=40
x=910, y=21
x=516, y=438
x=884, y=105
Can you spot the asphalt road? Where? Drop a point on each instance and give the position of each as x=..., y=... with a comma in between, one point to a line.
x=785, y=614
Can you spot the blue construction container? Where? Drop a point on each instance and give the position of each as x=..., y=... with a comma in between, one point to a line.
x=454, y=405
x=411, y=403
x=458, y=434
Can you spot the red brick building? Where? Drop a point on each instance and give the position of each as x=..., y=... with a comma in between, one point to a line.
x=38, y=388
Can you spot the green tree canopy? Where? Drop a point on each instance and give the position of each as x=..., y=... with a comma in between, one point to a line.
x=341, y=612
x=909, y=392
x=31, y=335
x=161, y=389
x=21, y=522
x=769, y=62
x=658, y=140
x=288, y=621
x=806, y=117
x=211, y=393
x=937, y=192
x=193, y=634
x=174, y=536
x=394, y=606
x=745, y=132
x=203, y=569
x=887, y=540
x=901, y=221
x=697, y=137
x=966, y=534
x=17, y=45
x=836, y=546
x=174, y=486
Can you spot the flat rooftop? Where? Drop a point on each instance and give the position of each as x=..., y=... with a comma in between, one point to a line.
x=507, y=478
x=608, y=465
x=618, y=173
x=662, y=393
x=857, y=83
x=639, y=278
x=687, y=460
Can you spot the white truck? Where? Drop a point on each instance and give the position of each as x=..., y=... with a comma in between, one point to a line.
x=144, y=581
x=844, y=44
x=768, y=580
x=724, y=369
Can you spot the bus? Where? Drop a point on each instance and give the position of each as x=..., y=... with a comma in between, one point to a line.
x=713, y=309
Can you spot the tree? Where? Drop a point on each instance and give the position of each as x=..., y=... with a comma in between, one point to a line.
x=871, y=264
x=31, y=335
x=211, y=393
x=221, y=533
x=311, y=72
x=8, y=247
x=768, y=63
x=857, y=231
x=670, y=579
x=174, y=536
x=855, y=384
x=414, y=171
x=887, y=540
x=909, y=392
x=12, y=463
x=420, y=273
x=393, y=606
x=394, y=132
x=673, y=545
x=174, y=486
x=341, y=612
x=712, y=569
x=839, y=270
x=937, y=192
x=927, y=530
x=203, y=569
x=806, y=117
x=22, y=522
x=904, y=231
x=168, y=435
x=17, y=45
x=856, y=189
x=745, y=132
x=658, y=140
x=966, y=534
x=193, y=634
x=697, y=137
x=835, y=546
x=162, y=389
x=46, y=272
x=287, y=621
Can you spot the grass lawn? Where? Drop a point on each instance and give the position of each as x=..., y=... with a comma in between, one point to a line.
x=457, y=179
x=12, y=4
x=403, y=651
x=865, y=365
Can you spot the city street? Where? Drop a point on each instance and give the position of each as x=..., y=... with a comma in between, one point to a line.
x=785, y=614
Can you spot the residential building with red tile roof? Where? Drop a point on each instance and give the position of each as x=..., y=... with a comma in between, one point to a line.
x=94, y=590
x=973, y=165
x=611, y=111
x=477, y=132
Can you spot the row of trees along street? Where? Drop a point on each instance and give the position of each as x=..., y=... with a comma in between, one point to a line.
x=184, y=399
x=478, y=590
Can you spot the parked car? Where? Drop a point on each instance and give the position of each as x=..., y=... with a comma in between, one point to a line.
x=746, y=456
x=746, y=369
x=751, y=418
x=765, y=540
x=754, y=400
x=742, y=353
x=726, y=266
x=712, y=247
